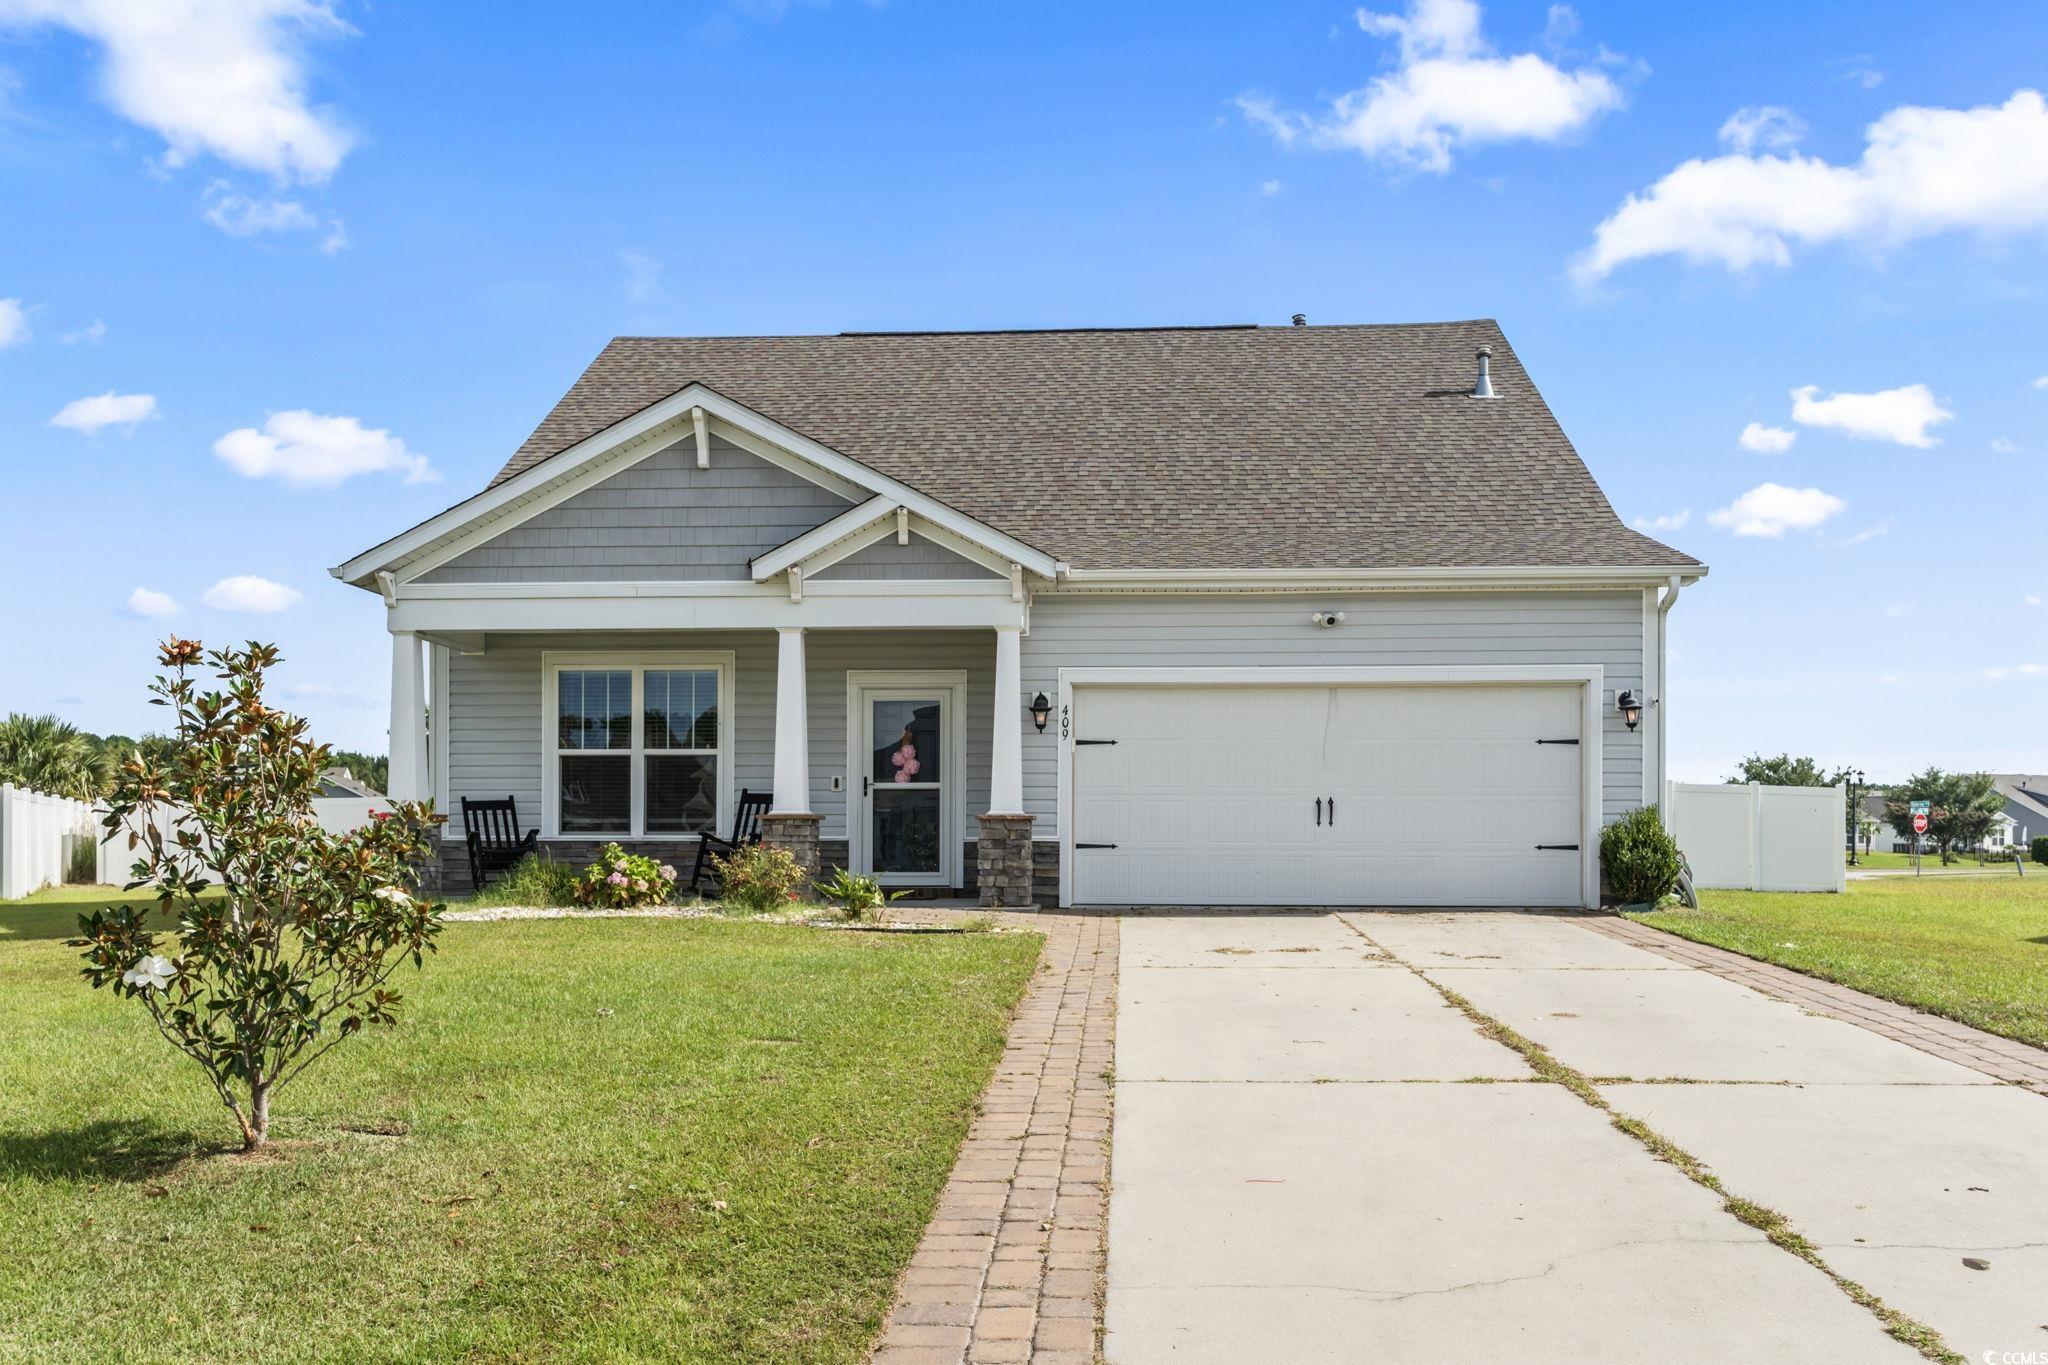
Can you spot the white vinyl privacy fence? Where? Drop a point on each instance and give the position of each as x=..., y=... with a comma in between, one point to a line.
x=1757, y=838
x=41, y=834
x=38, y=835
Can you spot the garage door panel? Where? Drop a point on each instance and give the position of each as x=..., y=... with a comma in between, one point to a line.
x=1441, y=794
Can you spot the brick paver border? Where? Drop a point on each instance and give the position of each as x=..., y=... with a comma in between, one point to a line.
x=1011, y=1266
x=2003, y=1059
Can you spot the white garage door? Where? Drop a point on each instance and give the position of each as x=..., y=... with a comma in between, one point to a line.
x=1339, y=795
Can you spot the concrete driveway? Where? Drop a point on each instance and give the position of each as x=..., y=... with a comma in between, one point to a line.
x=1317, y=1158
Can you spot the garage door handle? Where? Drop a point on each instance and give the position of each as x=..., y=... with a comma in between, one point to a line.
x=1333, y=812
x=1081, y=845
x=1094, y=741
x=1557, y=741
x=1319, y=812
x=1562, y=848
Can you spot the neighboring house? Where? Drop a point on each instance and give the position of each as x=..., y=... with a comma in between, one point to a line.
x=1308, y=621
x=2026, y=805
x=342, y=782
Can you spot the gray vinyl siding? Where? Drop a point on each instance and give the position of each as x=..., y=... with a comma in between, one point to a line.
x=659, y=519
x=921, y=558
x=1384, y=630
x=495, y=706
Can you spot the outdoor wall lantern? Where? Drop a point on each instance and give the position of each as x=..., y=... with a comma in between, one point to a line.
x=1631, y=708
x=1041, y=712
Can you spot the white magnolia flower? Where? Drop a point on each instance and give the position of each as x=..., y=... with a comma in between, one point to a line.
x=393, y=894
x=150, y=973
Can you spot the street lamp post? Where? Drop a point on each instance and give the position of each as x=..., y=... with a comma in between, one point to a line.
x=1855, y=811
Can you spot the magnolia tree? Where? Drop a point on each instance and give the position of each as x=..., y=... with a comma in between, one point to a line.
x=256, y=983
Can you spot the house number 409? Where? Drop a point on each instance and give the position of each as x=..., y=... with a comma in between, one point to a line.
x=1066, y=723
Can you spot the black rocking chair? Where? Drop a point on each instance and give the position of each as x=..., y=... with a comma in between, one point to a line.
x=491, y=828
x=746, y=830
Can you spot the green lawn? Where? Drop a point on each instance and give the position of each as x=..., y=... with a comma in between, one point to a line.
x=1930, y=861
x=589, y=1140
x=1972, y=948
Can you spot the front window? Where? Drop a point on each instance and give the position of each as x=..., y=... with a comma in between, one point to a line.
x=638, y=749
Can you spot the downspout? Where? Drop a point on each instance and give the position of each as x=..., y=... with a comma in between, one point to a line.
x=1672, y=587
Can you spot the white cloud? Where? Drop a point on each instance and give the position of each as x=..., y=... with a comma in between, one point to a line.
x=2017, y=671
x=307, y=449
x=1896, y=610
x=13, y=323
x=1269, y=188
x=1859, y=69
x=1901, y=416
x=2002, y=445
x=1451, y=91
x=247, y=592
x=1768, y=440
x=151, y=603
x=240, y=215
x=2041, y=383
x=643, y=275
x=92, y=332
x=1770, y=125
x=94, y=415
x=2032, y=599
x=1923, y=171
x=1888, y=679
x=221, y=78
x=1770, y=510
x=1870, y=533
x=1672, y=521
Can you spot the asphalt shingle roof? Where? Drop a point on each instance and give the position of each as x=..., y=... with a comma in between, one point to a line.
x=1170, y=448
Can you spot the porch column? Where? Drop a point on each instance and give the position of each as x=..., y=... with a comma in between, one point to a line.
x=789, y=823
x=408, y=770
x=1002, y=855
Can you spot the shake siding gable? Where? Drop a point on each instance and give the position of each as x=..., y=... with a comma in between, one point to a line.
x=660, y=519
x=920, y=559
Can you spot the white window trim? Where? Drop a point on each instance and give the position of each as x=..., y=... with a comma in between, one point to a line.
x=952, y=684
x=553, y=664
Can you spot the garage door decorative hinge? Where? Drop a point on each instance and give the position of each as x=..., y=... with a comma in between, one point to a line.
x=1081, y=845
x=1565, y=848
x=1557, y=741
x=1094, y=741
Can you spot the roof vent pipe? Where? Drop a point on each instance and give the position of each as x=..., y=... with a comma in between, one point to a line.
x=1484, y=388
x=1300, y=319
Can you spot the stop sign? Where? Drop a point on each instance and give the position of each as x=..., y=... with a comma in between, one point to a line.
x=1920, y=824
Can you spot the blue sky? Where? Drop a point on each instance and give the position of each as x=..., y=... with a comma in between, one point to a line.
x=323, y=268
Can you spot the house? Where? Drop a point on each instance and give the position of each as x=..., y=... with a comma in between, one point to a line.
x=2026, y=806
x=1189, y=615
x=340, y=782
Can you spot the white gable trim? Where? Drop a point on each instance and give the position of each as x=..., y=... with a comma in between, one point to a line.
x=527, y=494
x=799, y=552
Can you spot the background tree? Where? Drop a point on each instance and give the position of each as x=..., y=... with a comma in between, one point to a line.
x=49, y=755
x=1963, y=806
x=1787, y=771
x=293, y=956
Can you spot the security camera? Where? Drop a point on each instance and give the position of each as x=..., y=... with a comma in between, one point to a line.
x=1326, y=619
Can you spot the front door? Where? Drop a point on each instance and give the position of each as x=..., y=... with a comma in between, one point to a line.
x=903, y=803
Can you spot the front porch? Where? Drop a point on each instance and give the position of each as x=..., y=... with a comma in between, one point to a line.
x=891, y=750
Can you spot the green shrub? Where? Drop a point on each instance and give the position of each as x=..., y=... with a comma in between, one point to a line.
x=533, y=880
x=2039, y=849
x=83, y=866
x=858, y=895
x=760, y=877
x=1639, y=858
x=621, y=880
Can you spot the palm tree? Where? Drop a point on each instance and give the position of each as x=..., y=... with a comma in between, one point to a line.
x=47, y=755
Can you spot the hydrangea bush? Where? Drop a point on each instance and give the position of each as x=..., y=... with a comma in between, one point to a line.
x=622, y=880
x=293, y=954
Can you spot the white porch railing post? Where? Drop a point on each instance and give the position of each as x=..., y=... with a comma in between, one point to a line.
x=408, y=771
x=792, y=730
x=1006, y=750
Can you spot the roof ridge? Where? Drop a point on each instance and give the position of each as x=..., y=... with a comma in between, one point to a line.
x=1064, y=331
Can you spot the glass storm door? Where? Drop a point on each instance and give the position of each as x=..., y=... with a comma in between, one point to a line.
x=905, y=791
